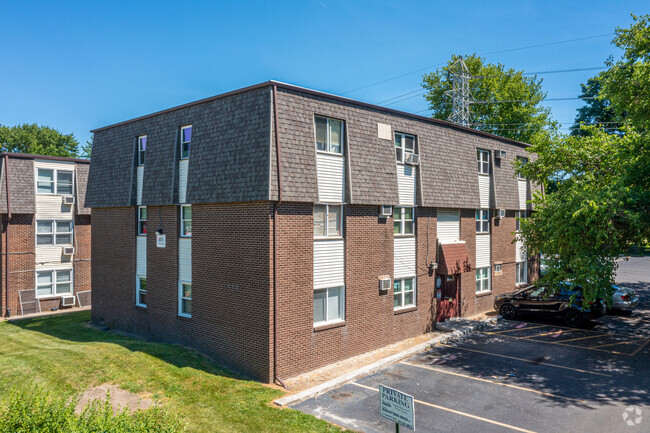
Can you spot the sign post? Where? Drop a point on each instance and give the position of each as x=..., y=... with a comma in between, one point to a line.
x=397, y=406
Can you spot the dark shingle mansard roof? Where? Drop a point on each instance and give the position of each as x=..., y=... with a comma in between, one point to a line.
x=233, y=153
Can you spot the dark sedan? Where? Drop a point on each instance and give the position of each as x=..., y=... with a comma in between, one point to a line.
x=533, y=300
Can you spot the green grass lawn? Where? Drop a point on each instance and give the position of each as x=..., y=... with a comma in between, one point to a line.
x=60, y=353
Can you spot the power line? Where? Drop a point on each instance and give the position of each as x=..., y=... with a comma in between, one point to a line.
x=481, y=54
x=528, y=100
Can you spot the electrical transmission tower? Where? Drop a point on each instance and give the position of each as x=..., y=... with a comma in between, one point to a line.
x=460, y=94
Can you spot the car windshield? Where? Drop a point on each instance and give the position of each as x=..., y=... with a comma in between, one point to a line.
x=536, y=292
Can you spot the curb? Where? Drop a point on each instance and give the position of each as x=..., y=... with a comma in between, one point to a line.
x=382, y=363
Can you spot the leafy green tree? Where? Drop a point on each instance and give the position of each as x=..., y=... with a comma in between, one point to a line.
x=87, y=149
x=596, y=111
x=38, y=140
x=627, y=81
x=528, y=121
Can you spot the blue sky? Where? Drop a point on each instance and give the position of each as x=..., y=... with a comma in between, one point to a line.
x=78, y=65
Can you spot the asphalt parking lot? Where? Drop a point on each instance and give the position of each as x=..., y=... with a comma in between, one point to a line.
x=524, y=375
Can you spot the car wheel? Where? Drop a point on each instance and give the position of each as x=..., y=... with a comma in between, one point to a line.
x=508, y=312
x=572, y=318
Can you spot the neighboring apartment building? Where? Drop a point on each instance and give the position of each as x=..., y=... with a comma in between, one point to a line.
x=45, y=233
x=279, y=229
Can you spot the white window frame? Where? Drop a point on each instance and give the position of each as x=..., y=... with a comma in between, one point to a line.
x=341, y=306
x=140, y=220
x=181, y=298
x=487, y=278
x=524, y=161
x=400, y=151
x=183, y=128
x=327, y=211
x=402, y=221
x=328, y=143
x=518, y=269
x=54, y=182
x=402, y=293
x=142, y=153
x=185, y=220
x=53, y=232
x=54, y=283
x=483, y=157
x=482, y=219
x=519, y=215
x=138, y=290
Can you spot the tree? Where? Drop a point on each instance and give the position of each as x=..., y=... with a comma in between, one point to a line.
x=627, y=82
x=596, y=111
x=37, y=140
x=87, y=148
x=524, y=120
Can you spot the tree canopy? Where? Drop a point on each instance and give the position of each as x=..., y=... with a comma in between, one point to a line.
x=37, y=140
x=596, y=111
x=493, y=87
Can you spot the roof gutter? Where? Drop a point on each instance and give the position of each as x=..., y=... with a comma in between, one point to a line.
x=275, y=239
x=6, y=297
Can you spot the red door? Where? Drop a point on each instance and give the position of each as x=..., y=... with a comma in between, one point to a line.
x=446, y=297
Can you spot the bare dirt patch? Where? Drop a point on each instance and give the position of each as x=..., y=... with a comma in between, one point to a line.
x=120, y=398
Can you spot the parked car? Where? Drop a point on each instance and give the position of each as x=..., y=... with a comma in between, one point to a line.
x=624, y=298
x=532, y=300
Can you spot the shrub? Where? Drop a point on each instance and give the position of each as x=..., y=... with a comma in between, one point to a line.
x=36, y=410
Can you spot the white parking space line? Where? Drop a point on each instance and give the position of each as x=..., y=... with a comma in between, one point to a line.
x=457, y=412
x=480, y=379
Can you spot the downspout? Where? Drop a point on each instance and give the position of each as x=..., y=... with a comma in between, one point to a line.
x=7, y=237
x=275, y=242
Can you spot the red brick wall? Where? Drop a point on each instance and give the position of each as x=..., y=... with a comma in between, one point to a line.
x=21, y=261
x=82, y=255
x=370, y=321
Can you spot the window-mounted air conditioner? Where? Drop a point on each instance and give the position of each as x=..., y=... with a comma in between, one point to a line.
x=499, y=154
x=67, y=301
x=501, y=213
x=68, y=251
x=413, y=159
x=385, y=211
x=68, y=200
x=384, y=284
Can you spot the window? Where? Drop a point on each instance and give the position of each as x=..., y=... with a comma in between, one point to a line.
x=142, y=148
x=329, y=305
x=404, y=293
x=404, y=146
x=142, y=220
x=54, y=232
x=48, y=181
x=523, y=162
x=186, y=221
x=141, y=291
x=522, y=272
x=520, y=214
x=53, y=283
x=186, y=137
x=185, y=299
x=497, y=269
x=402, y=221
x=482, y=280
x=483, y=221
x=483, y=157
x=327, y=221
x=329, y=135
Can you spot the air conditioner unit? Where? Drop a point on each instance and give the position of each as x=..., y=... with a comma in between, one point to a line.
x=68, y=200
x=413, y=159
x=68, y=251
x=67, y=301
x=502, y=213
x=384, y=284
x=385, y=211
x=499, y=154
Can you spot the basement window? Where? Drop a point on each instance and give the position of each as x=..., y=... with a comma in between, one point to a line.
x=403, y=293
x=54, y=283
x=186, y=138
x=327, y=220
x=329, y=135
x=329, y=305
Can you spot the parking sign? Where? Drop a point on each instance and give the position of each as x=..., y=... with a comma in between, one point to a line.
x=397, y=406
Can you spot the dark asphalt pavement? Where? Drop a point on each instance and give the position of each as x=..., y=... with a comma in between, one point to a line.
x=524, y=375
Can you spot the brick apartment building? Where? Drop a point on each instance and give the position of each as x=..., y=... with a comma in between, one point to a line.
x=279, y=229
x=45, y=233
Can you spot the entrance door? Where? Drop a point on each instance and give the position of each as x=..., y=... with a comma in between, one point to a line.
x=446, y=297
